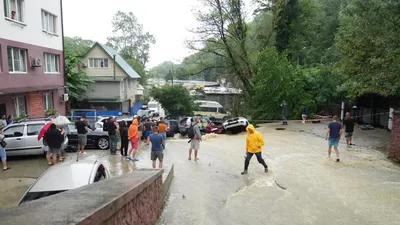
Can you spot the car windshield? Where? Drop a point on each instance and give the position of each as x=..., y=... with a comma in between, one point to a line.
x=152, y=105
x=31, y=196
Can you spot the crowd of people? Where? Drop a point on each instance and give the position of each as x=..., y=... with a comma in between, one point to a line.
x=154, y=133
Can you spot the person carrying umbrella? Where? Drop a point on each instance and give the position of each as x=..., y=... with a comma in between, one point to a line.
x=54, y=138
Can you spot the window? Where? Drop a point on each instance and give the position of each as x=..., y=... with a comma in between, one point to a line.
x=20, y=106
x=51, y=63
x=98, y=63
x=208, y=109
x=14, y=9
x=49, y=22
x=48, y=101
x=34, y=129
x=16, y=59
x=15, y=131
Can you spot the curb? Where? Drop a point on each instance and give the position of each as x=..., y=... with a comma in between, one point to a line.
x=167, y=180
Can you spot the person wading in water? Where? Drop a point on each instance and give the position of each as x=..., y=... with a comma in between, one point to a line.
x=254, y=144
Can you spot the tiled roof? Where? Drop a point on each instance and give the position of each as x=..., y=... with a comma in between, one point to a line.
x=120, y=61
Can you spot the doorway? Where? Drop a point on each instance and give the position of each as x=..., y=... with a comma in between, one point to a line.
x=3, y=110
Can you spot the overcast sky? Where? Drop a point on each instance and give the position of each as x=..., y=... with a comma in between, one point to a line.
x=167, y=20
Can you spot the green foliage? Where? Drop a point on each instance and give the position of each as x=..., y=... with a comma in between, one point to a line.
x=278, y=79
x=50, y=112
x=369, y=44
x=129, y=38
x=175, y=99
x=78, y=83
x=77, y=46
x=139, y=68
x=285, y=12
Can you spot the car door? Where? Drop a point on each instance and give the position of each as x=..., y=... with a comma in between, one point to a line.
x=72, y=135
x=14, y=136
x=32, y=145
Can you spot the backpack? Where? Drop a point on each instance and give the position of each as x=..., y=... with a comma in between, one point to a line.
x=190, y=132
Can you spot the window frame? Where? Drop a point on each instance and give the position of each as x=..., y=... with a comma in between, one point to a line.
x=46, y=97
x=46, y=18
x=46, y=55
x=19, y=10
x=34, y=125
x=17, y=107
x=13, y=127
x=92, y=64
x=13, y=60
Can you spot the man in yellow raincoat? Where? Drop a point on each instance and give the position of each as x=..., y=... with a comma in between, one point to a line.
x=254, y=144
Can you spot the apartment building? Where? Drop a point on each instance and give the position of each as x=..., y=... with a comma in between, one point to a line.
x=31, y=58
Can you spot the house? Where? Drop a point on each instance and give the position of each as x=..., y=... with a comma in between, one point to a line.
x=115, y=86
x=31, y=58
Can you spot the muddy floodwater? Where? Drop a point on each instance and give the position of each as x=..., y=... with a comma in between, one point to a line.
x=302, y=187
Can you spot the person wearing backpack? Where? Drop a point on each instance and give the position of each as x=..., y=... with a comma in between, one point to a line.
x=195, y=138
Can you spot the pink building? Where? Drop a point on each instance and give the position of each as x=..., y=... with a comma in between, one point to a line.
x=31, y=58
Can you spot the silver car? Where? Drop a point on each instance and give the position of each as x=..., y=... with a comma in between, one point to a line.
x=66, y=176
x=22, y=139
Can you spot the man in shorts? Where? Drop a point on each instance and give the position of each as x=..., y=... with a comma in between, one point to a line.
x=333, y=136
x=82, y=129
x=54, y=138
x=349, y=123
x=156, y=148
x=195, y=141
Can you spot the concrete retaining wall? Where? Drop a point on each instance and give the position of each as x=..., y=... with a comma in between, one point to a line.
x=395, y=142
x=133, y=198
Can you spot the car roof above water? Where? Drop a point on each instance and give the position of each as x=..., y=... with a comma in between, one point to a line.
x=65, y=176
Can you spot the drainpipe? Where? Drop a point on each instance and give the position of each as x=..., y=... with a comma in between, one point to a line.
x=63, y=54
x=114, y=67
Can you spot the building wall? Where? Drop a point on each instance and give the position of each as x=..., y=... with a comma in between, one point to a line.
x=30, y=31
x=35, y=76
x=104, y=90
x=35, y=105
x=97, y=52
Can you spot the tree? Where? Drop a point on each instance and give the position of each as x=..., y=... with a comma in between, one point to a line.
x=222, y=32
x=369, y=45
x=129, y=38
x=285, y=13
x=77, y=46
x=175, y=99
x=78, y=83
x=278, y=79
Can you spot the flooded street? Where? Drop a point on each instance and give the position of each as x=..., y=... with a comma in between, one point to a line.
x=302, y=187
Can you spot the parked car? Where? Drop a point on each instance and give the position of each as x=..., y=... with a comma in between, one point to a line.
x=173, y=125
x=214, y=127
x=21, y=137
x=95, y=138
x=236, y=124
x=65, y=176
x=186, y=122
x=170, y=129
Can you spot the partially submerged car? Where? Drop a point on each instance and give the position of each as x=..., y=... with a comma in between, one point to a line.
x=65, y=176
x=236, y=124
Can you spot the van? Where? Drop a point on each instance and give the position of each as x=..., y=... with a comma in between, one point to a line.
x=156, y=108
x=211, y=109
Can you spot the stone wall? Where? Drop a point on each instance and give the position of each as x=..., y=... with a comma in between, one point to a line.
x=135, y=198
x=395, y=142
x=144, y=209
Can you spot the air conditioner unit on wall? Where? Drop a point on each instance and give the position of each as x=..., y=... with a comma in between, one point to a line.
x=36, y=62
x=84, y=65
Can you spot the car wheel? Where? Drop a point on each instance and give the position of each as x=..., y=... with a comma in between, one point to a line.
x=103, y=143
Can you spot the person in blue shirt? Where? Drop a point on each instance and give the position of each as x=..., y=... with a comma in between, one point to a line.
x=156, y=140
x=333, y=135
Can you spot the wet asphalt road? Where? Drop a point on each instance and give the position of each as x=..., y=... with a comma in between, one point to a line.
x=302, y=187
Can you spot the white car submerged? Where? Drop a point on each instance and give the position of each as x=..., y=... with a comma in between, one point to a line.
x=236, y=124
x=65, y=176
